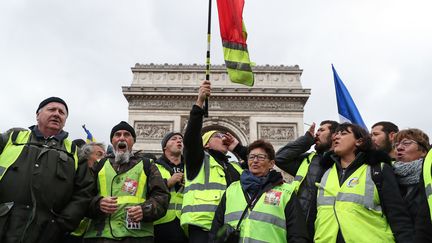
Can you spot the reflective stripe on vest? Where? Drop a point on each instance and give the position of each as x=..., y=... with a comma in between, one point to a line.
x=302, y=171
x=266, y=222
x=12, y=151
x=354, y=208
x=238, y=64
x=175, y=204
x=202, y=195
x=427, y=177
x=130, y=189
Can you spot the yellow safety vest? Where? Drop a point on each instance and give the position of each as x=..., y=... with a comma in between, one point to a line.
x=354, y=208
x=202, y=195
x=427, y=177
x=266, y=222
x=130, y=190
x=302, y=171
x=175, y=204
x=13, y=149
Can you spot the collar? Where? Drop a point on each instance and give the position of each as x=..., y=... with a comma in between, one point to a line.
x=59, y=136
x=358, y=160
x=167, y=161
x=219, y=156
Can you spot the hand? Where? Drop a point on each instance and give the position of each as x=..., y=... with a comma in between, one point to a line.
x=175, y=178
x=108, y=204
x=231, y=141
x=204, y=92
x=135, y=213
x=311, y=129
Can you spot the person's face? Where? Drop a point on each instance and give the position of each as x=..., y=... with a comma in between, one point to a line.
x=323, y=138
x=408, y=150
x=380, y=140
x=52, y=117
x=174, y=145
x=122, y=141
x=344, y=143
x=216, y=142
x=259, y=162
x=97, y=154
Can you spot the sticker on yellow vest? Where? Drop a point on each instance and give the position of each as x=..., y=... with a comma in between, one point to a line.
x=353, y=182
x=130, y=186
x=130, y=224
x=273, y=197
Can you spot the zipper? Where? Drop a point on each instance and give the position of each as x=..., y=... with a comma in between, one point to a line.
x=337, y=220
x=342, y=177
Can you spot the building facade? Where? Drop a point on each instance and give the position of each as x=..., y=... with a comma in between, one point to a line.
x=161, y=97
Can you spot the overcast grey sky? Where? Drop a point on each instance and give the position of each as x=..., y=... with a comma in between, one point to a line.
x=82, y=51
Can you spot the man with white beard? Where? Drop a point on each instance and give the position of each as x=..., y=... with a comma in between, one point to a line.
x=131, y=193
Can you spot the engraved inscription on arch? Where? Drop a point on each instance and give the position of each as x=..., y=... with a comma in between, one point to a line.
x=277, y=132
x=152, y=130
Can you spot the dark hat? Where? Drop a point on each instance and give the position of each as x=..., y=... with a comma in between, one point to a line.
x=167, y=137
x=79, y=142
x=123, y=126
x=52, y=99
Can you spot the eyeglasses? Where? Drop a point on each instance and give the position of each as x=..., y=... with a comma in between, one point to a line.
x=259, y=157
x=404, y=143
x=218, y=135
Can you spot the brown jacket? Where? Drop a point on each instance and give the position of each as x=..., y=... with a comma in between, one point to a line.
x=158, y=196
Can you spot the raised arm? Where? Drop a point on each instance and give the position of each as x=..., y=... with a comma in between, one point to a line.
x=193, y=149
x=289, y=158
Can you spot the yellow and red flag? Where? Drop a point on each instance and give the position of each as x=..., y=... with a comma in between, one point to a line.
x=233, y=33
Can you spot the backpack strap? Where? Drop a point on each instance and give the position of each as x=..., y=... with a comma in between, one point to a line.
x=146, y=164
x=14, y=136
x=377, y=177
x=73, y=148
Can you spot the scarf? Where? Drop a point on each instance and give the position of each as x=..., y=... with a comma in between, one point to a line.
x=408, y=173
x=250, y=183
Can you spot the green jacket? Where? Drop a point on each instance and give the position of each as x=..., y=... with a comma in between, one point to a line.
x=45, y=191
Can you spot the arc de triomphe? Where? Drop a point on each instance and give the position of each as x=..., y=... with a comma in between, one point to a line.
x=161, y=97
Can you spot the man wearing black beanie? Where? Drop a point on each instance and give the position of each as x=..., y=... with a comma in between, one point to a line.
x=171, y=166
x=44, y=189
x=131, y=193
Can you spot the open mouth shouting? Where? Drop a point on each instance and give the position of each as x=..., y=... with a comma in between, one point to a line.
x=122, y=146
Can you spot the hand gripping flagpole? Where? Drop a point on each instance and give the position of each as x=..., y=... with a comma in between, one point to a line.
x=208, y=56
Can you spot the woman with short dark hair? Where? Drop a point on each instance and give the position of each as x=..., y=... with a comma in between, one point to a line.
x=358, y=198
x=270, y=209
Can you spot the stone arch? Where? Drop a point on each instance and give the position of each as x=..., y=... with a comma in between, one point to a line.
x=224, y=125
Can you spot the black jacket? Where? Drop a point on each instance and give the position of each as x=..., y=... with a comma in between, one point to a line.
x=423, y=224
x=295, y=223
x=412, y=198
x=194, y=151
x=289, y=158
x=392, y=203
x=50, y=196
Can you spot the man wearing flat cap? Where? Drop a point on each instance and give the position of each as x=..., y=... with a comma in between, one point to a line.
x=44, y=189
x=131, y=193
x=171, y=166
x=209, y=171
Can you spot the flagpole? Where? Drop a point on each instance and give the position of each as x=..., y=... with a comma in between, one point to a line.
x=208, y=55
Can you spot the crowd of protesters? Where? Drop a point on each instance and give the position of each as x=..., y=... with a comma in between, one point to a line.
x=353, y=187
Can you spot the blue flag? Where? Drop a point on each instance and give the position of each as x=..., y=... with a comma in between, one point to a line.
x=347, y=109
x=90, y=137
